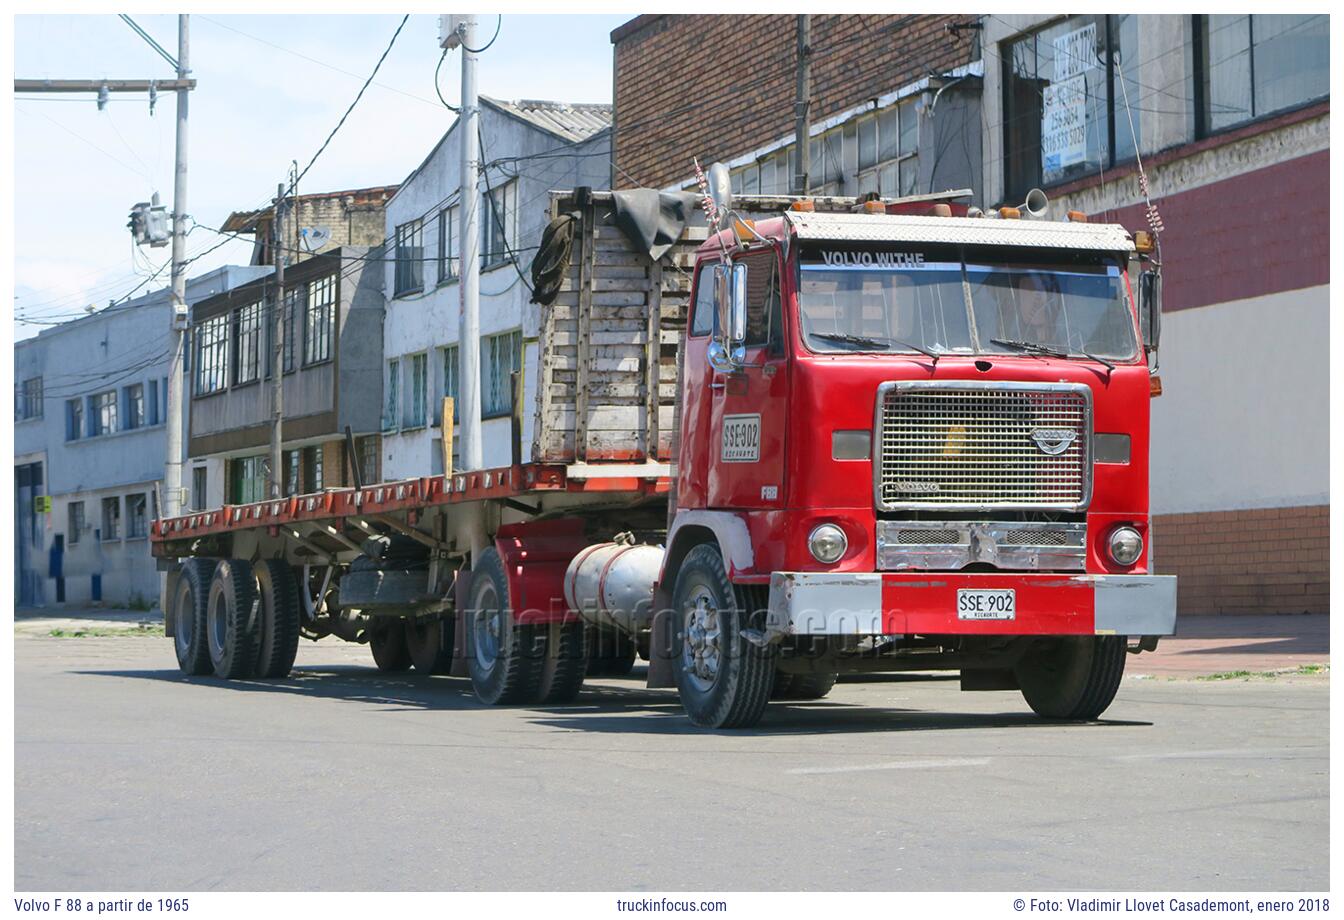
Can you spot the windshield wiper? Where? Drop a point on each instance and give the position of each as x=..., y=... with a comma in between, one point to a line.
x=1110, y=365
x=1031, y=348
x=868, y=342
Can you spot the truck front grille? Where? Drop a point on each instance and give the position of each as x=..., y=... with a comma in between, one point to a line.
x=996, y=445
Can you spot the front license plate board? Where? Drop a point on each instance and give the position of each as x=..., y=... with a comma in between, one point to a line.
x=986, y=604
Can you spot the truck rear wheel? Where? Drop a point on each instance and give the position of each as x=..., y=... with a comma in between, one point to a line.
x=234, y=632
x=279, y=609
x=387, y=641
x=610, y=653
x=505, y=660
x=191, y=603
x=566, y=663
x=724, y=681
x=430, y=644
x=813, y=686
x=1072, y=678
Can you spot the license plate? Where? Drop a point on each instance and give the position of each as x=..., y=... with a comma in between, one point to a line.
x=986, y=604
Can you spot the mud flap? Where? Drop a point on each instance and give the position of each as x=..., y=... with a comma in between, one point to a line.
x=661, y=673
x=461, y=596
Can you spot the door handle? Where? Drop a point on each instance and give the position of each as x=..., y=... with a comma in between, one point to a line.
x=717, y=385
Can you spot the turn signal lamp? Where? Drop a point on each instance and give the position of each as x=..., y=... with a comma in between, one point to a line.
x=1077, y=217
x=874, y=207
x=941, y=210
x=1143, y=241
x=1154, y=386
x=1010, y=213
x=803, y=204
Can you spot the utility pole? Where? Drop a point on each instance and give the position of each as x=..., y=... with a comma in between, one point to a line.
x=172, y=469
x=277, y=470
x=469, y=325
x=802, y=131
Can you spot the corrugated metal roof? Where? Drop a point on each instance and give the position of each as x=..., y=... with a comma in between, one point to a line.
x=573, y=121
x=968, y=231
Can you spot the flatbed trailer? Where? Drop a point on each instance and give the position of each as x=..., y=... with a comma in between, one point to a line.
x=660, y=509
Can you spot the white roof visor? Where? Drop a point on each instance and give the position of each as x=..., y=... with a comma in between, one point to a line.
x=961, y=231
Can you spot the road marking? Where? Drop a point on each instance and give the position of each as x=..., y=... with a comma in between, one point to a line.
x=895, y=765
x=1228, y=753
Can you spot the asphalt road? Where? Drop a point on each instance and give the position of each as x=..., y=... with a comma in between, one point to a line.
x=129, y=777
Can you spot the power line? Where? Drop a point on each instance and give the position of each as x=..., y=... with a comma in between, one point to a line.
x=499, y=21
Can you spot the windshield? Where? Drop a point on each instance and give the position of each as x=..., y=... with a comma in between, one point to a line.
x=967, y=308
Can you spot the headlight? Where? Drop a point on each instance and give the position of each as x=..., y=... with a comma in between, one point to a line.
x=1125, y=545
x=827, y=543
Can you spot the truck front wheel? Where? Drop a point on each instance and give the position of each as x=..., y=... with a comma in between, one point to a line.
x=724, y=681
x=505, y=660
x=1072, y=678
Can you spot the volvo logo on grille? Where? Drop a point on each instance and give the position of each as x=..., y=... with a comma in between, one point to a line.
x=907, y=487
x=1053, y=441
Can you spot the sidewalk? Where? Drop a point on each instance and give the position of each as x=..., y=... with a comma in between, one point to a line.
x=40, y=621
x=1205, y=645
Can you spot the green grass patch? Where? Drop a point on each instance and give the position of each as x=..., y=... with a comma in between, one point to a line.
x=104, y=632
x=1305, y=670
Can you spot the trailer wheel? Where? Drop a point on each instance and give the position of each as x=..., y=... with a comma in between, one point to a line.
x=505, y=660
x=566, y=663
x=1073, y=678
x=387, y=641
x=430, y=644
x=724, y=681
x=191, y=601
x=234, y=631
x=279, y=594
x=803, y=686
x=610, y=653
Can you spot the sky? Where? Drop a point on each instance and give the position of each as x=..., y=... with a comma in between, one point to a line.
x=270, y=89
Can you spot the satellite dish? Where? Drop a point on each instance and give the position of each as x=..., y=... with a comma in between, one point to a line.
x=314, y=238
x=721, y=188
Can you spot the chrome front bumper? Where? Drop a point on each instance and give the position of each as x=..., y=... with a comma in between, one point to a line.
x=877, y=603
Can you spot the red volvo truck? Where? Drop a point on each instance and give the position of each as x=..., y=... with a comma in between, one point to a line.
x=792, y=439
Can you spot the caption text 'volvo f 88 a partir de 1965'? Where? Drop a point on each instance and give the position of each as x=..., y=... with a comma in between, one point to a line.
x=774, y=440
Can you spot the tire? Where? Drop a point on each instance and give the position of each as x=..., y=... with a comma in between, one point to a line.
x=723, y=680
x=610, y=653
x=566, y=663
x=233, y=622
x=191, y=603
x=1073, y=678
x=505, y=660
x=782, y=685
x=810, y=686
x=279, y=610
x=387, y=641
x=429, y=642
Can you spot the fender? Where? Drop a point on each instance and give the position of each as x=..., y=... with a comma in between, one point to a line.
x=536, y=555
x=729, y=529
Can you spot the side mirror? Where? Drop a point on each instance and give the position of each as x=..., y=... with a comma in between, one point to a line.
x=1150, y=308
x=726, y=353
x=737, y=328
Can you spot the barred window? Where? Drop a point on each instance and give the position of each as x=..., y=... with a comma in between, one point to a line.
x=212, y=355
x=448, y=244
x=247, y=343
x=135, y=405
x=104, y=412
x=112, y=518
x=417, y=386
x=501, y=356
x=497, y=223
x=450, y=368
x=137, y=516
x=390, y=389
x=74, y=419
x=319, y=318
x=75, y=522
x=410, y=259
x=368, y=458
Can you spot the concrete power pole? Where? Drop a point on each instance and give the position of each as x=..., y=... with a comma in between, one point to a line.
x=277, y=471
x=469, y=326
x=172, y=469
x=802, y=107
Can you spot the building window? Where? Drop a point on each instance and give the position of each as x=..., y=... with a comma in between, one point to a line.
x=135, y=405
x=501, y=355
x=295, y=301
x=450, y=367
x=1064, y=108
x=248, y=482
x=137, y=516
x=199, y=492
x=247, y=343
x=312, y=468
x=368, y=459
x=1250, y=66
x=74, y=522
x=212, y=355
x=74, y=419
x=319, y=319
x=410, y=259
x=416, y=390
x=29, y=402
x=497, y=223
x=293, y=463
x=448, y=244
x=391, y=385
x=104, y=412
x=112, y=518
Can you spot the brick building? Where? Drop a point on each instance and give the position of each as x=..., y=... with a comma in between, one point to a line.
x=317, y=223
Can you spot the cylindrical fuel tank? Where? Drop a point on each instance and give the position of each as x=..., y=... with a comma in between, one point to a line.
x=611, y=584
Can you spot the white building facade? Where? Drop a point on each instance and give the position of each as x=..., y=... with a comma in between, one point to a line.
x=528, y=148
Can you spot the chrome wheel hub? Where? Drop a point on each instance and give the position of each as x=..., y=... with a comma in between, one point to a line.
x=701, y=650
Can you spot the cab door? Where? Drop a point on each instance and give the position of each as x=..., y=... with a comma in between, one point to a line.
x=695, y=379
x=749, y=405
